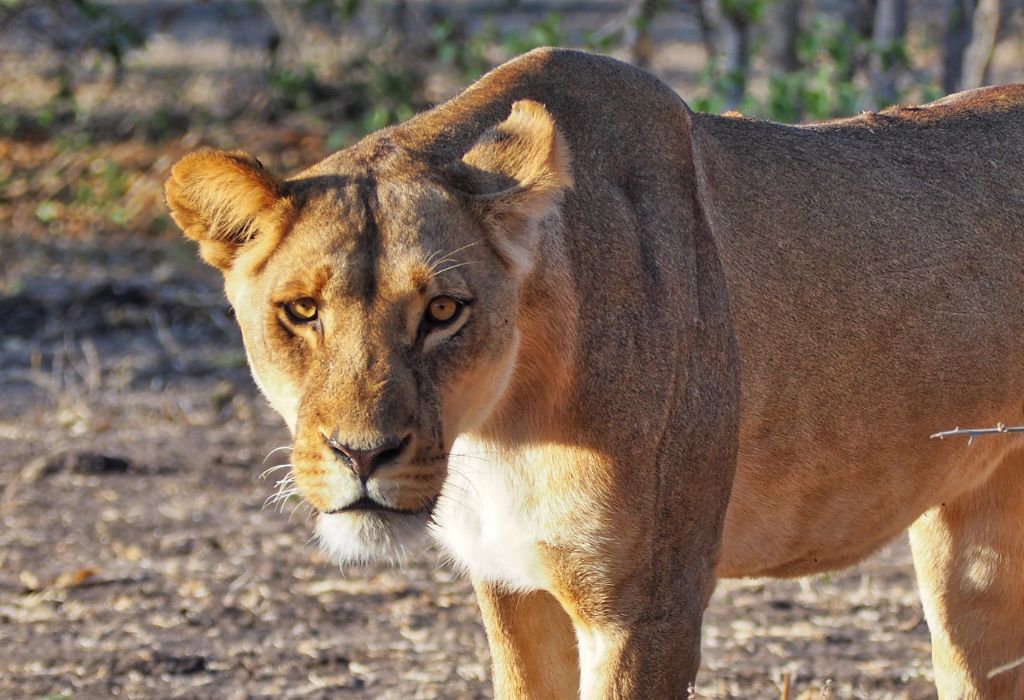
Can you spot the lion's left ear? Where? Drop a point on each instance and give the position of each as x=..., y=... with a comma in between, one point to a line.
x=516, y=173
x=223, y=200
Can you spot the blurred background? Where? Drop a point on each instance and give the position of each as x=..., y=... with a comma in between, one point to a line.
x=137, y=555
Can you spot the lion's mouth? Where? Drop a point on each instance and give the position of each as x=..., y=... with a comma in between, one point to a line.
x=367, y=505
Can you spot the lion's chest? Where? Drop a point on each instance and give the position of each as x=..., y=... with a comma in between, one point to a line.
x=485, y=523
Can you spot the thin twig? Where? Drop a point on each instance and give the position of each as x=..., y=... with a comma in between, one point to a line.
x=1006, y=667
x=787, y=686
x=973, y=433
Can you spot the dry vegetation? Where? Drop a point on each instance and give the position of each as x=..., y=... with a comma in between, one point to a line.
x=136, y=558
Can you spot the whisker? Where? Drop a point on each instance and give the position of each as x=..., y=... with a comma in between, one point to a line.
x=466, y=489
x=439, y=262
x=439, y=252
x=475, y=452
x=273, y=469
x=433, y=268
x=429, y=258
x=282, y=494
x=462, y=499
x=297, y=506
x=446, y=258
x=453, y=267
x=280, y=497
x=277, y=449
x=281, y=503
x=459, y=250
x=480, y=457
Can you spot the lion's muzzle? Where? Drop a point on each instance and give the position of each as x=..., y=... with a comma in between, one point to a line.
x=374, y=497
x=359, y=472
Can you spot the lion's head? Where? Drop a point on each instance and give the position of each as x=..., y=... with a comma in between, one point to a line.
x=378, y=297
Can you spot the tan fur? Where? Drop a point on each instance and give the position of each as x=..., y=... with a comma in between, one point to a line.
x=222, y=199
x=693, y=346
x=533, y=641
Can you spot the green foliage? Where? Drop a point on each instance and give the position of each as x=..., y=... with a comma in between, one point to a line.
x=467, y=54
x=826, y=85
x=343, y=9
x=711, y=97
x=546, y=32
x=59, y=695
x=393, y=87
x=294, y=88
x=110, y=32
x=601, y=42
x=391, y=92
x=70, y=141
x=750, y=10
x=386, y=87
x=47, y=211
x=101, y=189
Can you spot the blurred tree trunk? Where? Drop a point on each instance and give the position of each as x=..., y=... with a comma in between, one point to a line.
x=637, y=35
x=730, y=22
x=978, y=55
x=859, y=16
x=396, y=17
x=783, y=24
x=707, y=34
x=888, y=60
x=971, y=32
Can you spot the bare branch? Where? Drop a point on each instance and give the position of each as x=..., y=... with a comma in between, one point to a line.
x=973, y=433
x=1006, y=667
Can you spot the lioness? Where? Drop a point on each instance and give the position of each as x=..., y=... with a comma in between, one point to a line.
x=608, y=350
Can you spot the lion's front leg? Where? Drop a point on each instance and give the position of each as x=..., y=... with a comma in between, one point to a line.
x=645, y=648
x=649, y=659
x=533, y=645
x=636, y=587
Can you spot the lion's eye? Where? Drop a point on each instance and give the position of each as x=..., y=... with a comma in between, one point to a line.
x=301, y=310
x=443, y=310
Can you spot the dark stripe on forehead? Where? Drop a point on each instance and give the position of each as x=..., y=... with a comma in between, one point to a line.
x=368, y=243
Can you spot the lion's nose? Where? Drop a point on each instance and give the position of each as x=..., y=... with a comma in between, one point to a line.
x=365, y=462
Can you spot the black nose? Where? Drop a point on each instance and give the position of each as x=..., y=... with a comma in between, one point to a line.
x=366, y=462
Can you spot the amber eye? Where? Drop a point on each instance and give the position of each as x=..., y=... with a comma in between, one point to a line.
x=443, y=310
x=301, y=310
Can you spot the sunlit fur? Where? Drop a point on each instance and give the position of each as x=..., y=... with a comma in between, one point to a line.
x=360, y=539
x=698, y=346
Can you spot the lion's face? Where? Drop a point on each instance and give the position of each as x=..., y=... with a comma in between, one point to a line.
x=381, y=328
x=379, y=309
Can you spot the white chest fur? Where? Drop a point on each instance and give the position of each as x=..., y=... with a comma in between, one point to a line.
x=484, y=519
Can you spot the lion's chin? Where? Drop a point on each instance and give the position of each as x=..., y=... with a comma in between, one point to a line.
x=364, y=537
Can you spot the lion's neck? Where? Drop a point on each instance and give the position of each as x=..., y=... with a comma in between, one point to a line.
x=534, y=407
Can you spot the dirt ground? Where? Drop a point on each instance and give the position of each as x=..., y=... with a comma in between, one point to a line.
x=137, y=558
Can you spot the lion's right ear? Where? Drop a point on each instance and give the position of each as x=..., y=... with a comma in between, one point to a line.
x=517, y=173
x=222, y=200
